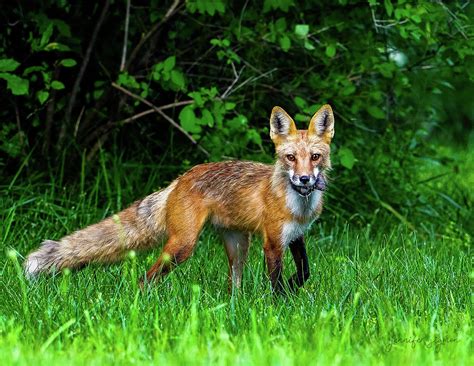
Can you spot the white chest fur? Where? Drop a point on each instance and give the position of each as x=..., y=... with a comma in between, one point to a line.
x=302, y=207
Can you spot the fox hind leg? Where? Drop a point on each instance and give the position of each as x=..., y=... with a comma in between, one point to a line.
x=236, y=245
x=184, y=226
x=175, y=252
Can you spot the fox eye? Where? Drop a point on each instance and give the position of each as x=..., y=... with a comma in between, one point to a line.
x=315, y=157
x=291, y=157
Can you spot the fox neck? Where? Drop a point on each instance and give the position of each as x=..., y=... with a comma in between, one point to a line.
x=302, y=207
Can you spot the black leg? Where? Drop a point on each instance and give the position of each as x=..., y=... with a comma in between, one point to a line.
x=298, y=251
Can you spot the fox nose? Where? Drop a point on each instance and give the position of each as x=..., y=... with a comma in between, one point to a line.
x=304, y=179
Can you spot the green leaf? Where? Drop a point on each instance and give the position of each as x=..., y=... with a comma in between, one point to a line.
x=285, y=43
x=206, y=6
x=57, y=85
x=386, y=68
x=300, y=102
x=229, y=106
x=42, y=96
x=46, y=77
x=308, y=45
x=128, y=80
x=145, y=87
x=197, y=98
x=62, y=27
x=31, y=69
x=254, y=136
x=55, y=46
x=165, y=76
x=169, y=63
x=331, y=50
x=177, y=78
x=8, y=64
x=283, y=5
x=302, y=30
x=376, y=112
x=215, y=42
x=416, y=18
x=348, y=90
x=346, y=157
x=388, y=7
x=207, y=118
x=68, y=62
x=376, y=95
x=157, y=70
x=237, y=123
x=220, y=6
x=188, y=120
x=46, y=35
x=301, y=117
x=280, y=25
x=17, y=85
x=96, y=94
x=399, y=13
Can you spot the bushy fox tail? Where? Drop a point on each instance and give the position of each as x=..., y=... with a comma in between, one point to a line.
x=138, y=227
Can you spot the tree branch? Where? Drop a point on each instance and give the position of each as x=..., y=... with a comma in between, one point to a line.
x=21, y=135
x=237, y=77
x=125, y=37
x=80, y=75
x=50, y=109
x=111, y=124
x=164, y=115
x=169, y=13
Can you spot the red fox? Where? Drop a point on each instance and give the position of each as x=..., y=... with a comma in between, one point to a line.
x=278, y=201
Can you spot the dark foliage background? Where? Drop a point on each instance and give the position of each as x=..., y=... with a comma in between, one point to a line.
x=163, y=85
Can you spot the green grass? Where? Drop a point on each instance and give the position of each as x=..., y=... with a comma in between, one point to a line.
x=380, y=293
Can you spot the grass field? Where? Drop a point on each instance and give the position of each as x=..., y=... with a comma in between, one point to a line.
x=378, y=294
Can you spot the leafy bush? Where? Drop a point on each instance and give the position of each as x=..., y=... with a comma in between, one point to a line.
x=202, y=76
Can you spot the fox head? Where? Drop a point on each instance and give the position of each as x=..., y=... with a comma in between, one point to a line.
x=303, y=154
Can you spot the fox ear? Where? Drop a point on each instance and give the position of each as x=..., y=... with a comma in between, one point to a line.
x=281, y=124
x=322, y=123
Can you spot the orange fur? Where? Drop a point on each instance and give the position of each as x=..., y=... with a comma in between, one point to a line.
x=278, y=201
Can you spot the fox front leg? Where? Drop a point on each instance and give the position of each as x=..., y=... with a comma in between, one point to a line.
x=298, y=251
x=274, y=260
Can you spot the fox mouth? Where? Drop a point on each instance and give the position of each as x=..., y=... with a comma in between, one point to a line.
x=304, y=190
x=319, y=185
